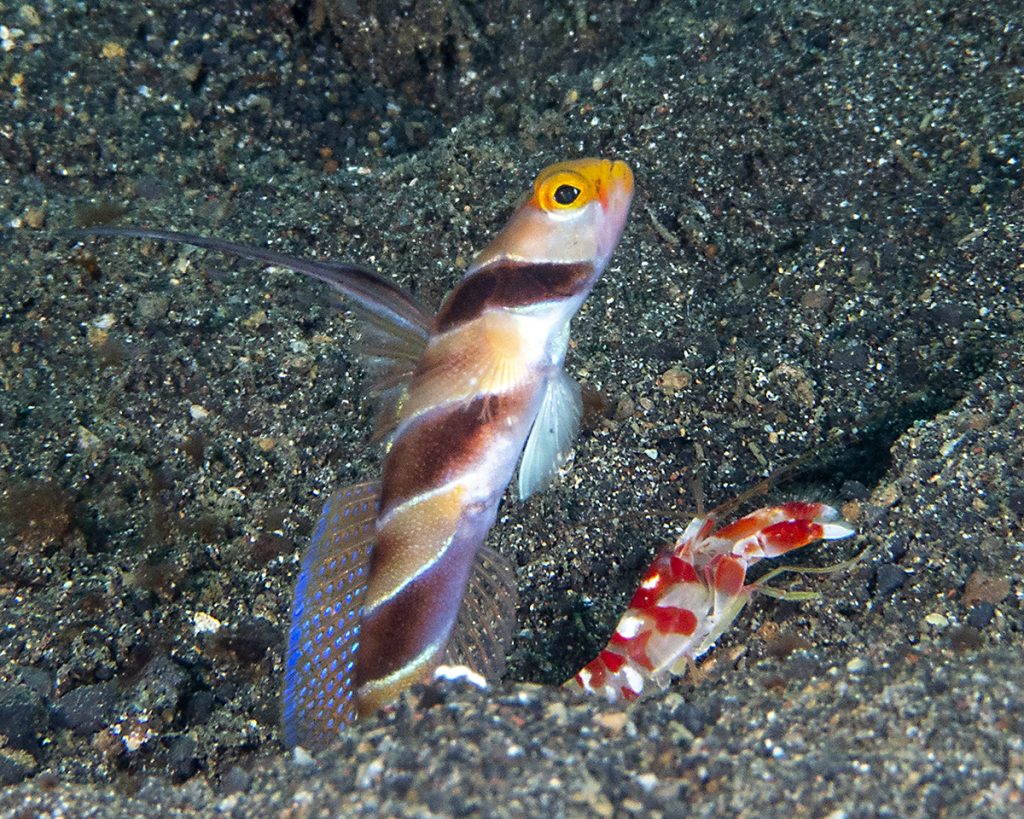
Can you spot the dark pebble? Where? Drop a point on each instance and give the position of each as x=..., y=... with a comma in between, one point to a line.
x=22, y=717
x=162, y=686
x=199, y=707
x=250, y=641
x=38, y=679
x=829, y=762
x=693, y=718
x=888, y=579
x=181, y=756
x=236, y=780
x=15, y=766
x=802, y=666
x=936, y=684
x=1015, y=502
x=964, y=638
x=949, y=314
x=854, y=490
x=87, y=709
x=981, y=614
x=852, y=357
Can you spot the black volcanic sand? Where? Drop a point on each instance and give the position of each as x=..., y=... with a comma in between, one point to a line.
x=823, y=267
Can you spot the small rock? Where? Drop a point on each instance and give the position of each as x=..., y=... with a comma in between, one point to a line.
x=22, y=717
x=38, y=679
x=255, y=320
x=250, y=640
x=161, y=688
x=647, y=781
x=981, y=615
x=29, y=16
x=625, y=408
x=181, y=756
x=989, y=588
x=858, y=665
x=556, y=713
x=35, y=218
x=87, y=709
x=302, y=757
x=693, y=717
x=88, y=441
x=888, y=578
x=674, y=379
x=964, y=638
x=112, y=50
x=236, y=780
x=15, y=765
x=199, y=707
x=105, y=321
x=204, y=623
x=152, y=306
x=587, y=791
x=614, y=721
x=97, y=337
x=266, y=443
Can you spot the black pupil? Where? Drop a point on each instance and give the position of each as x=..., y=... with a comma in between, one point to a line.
x=566, y=194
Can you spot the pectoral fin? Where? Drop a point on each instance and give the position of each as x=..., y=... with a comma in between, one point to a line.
x=389, y=352
x=552, y=434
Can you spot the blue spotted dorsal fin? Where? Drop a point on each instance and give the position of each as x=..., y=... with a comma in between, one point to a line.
x=482, y=635
x=552, y=434
x=324, y=637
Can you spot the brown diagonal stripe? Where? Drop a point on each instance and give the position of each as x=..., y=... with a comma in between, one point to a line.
x=440, y=446
x=510, y=284
x=397, y=631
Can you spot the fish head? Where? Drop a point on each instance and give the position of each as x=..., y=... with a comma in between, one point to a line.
x=576, y=214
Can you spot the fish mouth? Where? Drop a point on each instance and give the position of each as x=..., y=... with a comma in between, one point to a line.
x=616, y=195
x=617, y=184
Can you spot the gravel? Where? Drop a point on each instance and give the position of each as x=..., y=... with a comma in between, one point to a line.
x=823, y=274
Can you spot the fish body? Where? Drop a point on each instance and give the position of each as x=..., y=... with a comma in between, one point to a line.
x=488, y=383
x=462, y=395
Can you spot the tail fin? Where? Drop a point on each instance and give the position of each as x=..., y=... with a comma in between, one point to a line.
x=319, y=692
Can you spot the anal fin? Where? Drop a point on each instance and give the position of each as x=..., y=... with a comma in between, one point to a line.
x=483, y=633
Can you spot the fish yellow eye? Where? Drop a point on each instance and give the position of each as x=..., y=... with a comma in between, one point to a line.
x=566, y=194
x=562, y=190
